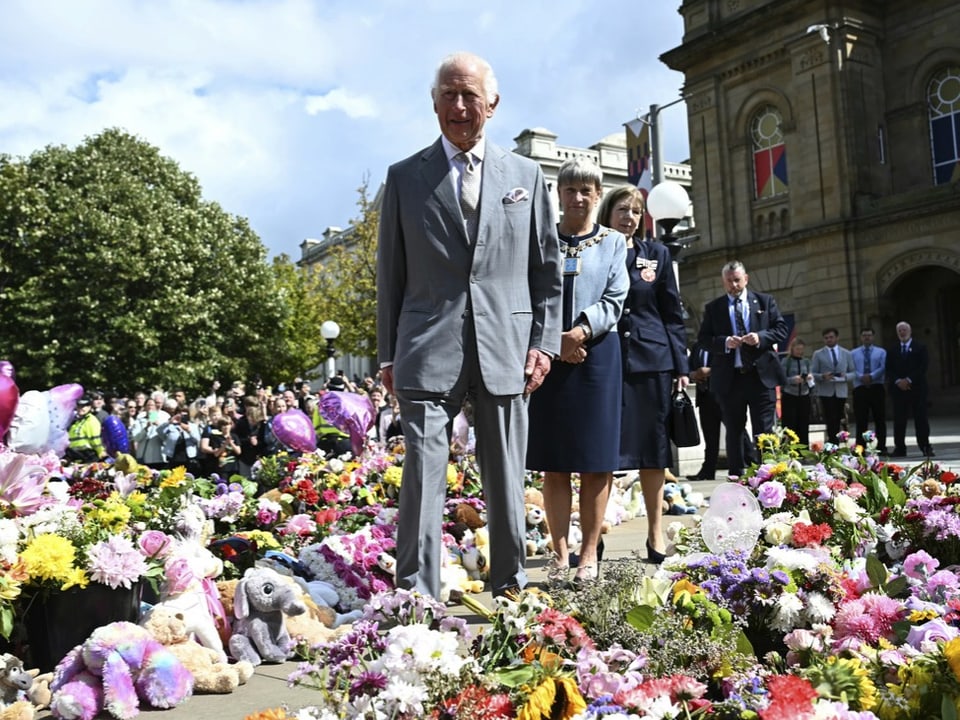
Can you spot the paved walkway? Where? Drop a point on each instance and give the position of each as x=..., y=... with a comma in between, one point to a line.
x=268, y=688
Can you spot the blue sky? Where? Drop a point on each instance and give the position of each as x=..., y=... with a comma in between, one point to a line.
x=282, y=108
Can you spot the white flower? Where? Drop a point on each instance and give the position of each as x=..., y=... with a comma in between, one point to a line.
x=846, y=508
x=405, y=697
x=791, y=559
x=819, y=608
x=778, y=533
x=786, y=612
x=9, y=535
x=662, y=709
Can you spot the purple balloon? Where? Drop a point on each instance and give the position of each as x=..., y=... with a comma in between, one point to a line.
x=295, y=430
x=350, y=413
x=114, y=436
x=6, y=368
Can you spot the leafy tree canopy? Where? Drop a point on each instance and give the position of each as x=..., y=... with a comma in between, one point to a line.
x=115, y=273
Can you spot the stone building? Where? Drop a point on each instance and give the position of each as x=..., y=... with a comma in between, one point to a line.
x=825, y=143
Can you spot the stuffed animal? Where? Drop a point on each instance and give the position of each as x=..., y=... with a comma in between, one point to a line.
x=260, y=601
x=19, y=710
x=473, y=558
x=210, y=673
x=17, y=683
x=674, y=503
x=189, y=588
x=537, y=535
x=119, y=665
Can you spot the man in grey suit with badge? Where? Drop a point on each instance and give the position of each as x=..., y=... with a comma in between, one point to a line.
x=468, y=305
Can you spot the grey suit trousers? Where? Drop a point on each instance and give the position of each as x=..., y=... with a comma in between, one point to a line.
x=501, y=429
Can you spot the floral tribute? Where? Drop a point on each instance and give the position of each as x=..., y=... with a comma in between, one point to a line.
x=844, y=605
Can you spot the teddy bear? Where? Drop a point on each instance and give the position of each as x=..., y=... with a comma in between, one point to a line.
x=117, y=667
x=210, y=673
x=537, y=536
x=18, y=710
x=473, y=558
x=261, y=600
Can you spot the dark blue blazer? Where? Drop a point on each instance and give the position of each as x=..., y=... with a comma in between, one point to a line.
x=652, y=335
x=765, y=320
x=911, y=365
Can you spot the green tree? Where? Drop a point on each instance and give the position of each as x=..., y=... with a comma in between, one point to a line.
x=301, y=347
x=348, y=281
x=114, y=272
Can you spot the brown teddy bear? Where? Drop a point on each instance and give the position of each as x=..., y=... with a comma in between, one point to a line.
x=210, y=674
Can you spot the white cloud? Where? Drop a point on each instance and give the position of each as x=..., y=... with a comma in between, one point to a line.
x=282, y=108
x=339, y=99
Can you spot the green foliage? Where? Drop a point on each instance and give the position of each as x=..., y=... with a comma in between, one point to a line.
x=301, y=346
x=347, y=279
x=114, y=272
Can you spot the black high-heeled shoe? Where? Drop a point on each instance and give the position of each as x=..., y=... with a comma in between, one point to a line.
x=654, y=556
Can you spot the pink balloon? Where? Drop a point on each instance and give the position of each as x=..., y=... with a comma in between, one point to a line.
x=349, y=412
x=9, y=399
x=6, y=368
x=114, y=436
x=295, y=430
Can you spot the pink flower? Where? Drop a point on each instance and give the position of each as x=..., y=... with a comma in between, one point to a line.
x=179, y=575
x=155, y=544
x=115, y=562
x=919, y=565
x=301, y=525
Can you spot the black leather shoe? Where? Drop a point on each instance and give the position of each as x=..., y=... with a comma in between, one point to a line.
x=899, y=453
x=928, y=451
x=575, y=557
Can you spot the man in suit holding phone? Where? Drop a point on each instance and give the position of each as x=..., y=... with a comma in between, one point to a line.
x=741, y=330
x=906, y=372
x=468, y=305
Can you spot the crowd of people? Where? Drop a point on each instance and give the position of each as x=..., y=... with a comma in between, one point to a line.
x=224, y=433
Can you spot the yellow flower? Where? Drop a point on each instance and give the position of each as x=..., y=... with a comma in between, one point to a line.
x=778, y=469
x=76, y=577
x=278, y=713
x=555, y=697
x=263, y=539
x=919, y=616
x=49, y=557
x=9, y=587
x=951, y=651
x=453, y=477
x=175, y=478
x=113, y=514
x=392, y=476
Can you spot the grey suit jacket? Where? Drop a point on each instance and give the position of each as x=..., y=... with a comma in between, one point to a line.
x=430, y=280
x=822, y=362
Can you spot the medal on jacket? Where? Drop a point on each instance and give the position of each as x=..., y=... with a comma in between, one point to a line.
x=648, y=269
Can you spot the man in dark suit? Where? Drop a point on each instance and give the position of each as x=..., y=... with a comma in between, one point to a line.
x=711, y=417
x=468, y=305
x=906, y=372
x=741, y=329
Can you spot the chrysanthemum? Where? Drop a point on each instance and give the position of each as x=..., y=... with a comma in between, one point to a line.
x=115, y=562
x=49, y=557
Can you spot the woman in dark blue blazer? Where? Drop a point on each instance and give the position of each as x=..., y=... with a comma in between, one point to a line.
x=653, y=345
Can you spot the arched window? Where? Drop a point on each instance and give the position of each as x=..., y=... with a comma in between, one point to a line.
x=943, y=96
x=769, y=154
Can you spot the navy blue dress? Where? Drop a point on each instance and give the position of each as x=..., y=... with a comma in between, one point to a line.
x=575, y=414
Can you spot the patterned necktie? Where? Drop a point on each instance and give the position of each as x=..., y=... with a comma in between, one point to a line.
x=738, y=317
x=866, y=359
x=469, y=193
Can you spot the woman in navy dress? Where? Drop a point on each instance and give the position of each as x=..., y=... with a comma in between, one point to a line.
x=654, y=347
x=575, y=414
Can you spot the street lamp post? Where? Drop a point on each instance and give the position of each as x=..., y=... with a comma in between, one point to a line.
x=667, y=204
x=330, y=331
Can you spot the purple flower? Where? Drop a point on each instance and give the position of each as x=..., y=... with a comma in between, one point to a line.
x=115, y=562
x=919, y=565
x=772, y=494
x=930, y=632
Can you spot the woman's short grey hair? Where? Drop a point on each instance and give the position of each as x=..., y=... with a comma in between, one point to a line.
x=578, y=170
x=488, y=79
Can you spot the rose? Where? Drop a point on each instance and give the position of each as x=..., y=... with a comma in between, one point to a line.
x=778, y=533
x=155, y=544
x=772, y=494
x=930, y=633
x=179, y=575
x=847, y=509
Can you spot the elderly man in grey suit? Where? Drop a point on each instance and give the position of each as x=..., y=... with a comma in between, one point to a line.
x=832, y=367
x=468, y=304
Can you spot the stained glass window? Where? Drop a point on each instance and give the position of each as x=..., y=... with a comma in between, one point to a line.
x=769, y=154
x=943, y=97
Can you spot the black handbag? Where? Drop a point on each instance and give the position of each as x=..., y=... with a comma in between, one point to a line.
x=684, y=430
